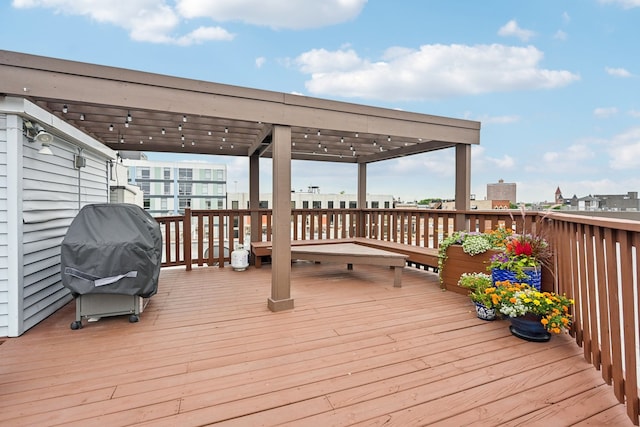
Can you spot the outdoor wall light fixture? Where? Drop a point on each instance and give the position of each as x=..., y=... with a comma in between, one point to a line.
x=42, y=136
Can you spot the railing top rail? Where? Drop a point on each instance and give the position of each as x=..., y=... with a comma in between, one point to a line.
x=619, y=224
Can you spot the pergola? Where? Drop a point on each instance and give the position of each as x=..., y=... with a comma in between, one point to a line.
x=138, y=111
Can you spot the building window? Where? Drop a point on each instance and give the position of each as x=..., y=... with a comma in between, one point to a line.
x=163, y=204
x=167, y=188
x=219, y=175
x=375, y=205
x=146, y=203
x=143, y=173
x=207, y=204
x=220, y=204
x=184, y=188
x=205, y=188
x=185, y=174
x=263, y=204
x=207, y=174
x=330, y=204
x=387, y=205
x=353, y=205
x=293, y=204
x=184, y=203
x=145, y=186
x=166, y=173
x=305, y=204
x=235, y=204
x=317, y=205
x=343, y=204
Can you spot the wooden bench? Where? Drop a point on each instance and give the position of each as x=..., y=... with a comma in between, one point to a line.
x=351, y=253
x=415, y=254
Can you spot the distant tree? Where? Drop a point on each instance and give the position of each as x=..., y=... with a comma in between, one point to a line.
x=429, y=201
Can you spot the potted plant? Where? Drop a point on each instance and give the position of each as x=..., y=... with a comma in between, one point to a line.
x=467, y=252
x=534, y=315
x=480, y=286
x=522, y=260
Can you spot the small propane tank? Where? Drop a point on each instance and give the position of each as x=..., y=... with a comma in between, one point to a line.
x=240, y=258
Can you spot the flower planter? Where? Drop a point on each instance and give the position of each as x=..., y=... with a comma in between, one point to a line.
x=533, y=279
x=459, y=262
x=528, y=327
x=485, y=313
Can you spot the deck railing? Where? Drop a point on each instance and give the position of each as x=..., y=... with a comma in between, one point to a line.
x=596, y=263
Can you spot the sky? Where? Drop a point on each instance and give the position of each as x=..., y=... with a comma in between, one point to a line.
x=554, y=83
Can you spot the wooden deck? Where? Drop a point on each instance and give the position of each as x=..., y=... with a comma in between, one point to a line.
x=354, y=351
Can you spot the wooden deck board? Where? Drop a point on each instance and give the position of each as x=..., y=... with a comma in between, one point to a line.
x=207, y=350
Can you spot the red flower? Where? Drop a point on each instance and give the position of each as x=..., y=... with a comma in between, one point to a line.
x=522, y=248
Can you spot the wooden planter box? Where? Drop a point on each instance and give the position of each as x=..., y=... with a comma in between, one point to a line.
x=459, y=262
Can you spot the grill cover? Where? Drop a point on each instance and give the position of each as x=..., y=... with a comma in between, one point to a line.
x=112, y=249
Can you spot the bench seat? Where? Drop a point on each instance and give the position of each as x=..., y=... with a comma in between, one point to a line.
x=415, y=254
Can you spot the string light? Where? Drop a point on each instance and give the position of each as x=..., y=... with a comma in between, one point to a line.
x=374, y=143
x=81, y=116
x=180, y=127
x=193, y=143
x=209, y=133
x=184, y=119
x=111, y=127
x=351, y=147
x=65, y=109
x=163, y=131
x=182, y=137
x=356, y=134
x=226, y=130
x=388, y=139
x=129, y=118
x=122, y=139
x=182, y=145
x=342, y=140
x=318, y=132
x=306, y=136
x=126, y=124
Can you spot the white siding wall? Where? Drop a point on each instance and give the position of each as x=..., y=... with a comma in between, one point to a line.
x=4, y=280
x=53, y=193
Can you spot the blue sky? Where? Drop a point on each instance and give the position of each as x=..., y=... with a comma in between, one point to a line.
x=555, y=84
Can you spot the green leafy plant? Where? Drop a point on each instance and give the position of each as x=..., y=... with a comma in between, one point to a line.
x=480, y=287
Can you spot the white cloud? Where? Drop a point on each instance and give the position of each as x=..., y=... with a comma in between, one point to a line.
x=625, y=4
x=431, y=72
x=157, y=21
x=275, y=13
x=260, y=61
x=511, y=28
x=618, y=72
x=624, y=150
x=560, y=35
x=151, y=21
x=634, y=113
x=204, y=34
x=604, y=113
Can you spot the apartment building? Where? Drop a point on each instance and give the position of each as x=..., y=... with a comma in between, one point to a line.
x=170, y=187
